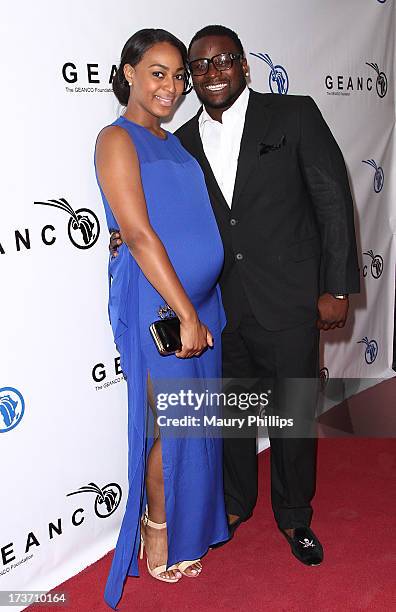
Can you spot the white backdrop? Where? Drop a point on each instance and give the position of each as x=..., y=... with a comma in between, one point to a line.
x=63, y=408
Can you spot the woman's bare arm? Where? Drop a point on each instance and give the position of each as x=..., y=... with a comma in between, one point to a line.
x=118, y=171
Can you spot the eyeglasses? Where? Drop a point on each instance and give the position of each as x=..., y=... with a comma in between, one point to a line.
x=222, y=61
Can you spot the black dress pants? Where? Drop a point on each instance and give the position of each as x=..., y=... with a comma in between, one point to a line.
x=251, y=351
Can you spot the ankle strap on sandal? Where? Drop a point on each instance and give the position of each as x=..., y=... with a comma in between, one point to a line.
x=149, y=523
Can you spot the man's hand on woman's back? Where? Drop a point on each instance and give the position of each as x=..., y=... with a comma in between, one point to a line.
x=115, y=242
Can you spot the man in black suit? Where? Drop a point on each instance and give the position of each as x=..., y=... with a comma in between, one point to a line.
x=279, y=190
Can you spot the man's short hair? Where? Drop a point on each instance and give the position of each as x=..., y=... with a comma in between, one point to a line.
x=217, y=30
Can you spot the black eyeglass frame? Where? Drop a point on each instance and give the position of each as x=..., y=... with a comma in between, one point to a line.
x=231, y=56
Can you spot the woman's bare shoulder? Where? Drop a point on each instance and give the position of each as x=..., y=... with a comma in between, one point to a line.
x=114, y=146
x=113, y=135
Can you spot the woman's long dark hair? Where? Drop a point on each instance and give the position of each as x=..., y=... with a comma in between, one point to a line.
x=133, y=51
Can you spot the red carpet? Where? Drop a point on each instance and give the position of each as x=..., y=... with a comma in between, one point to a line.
x=354, y=518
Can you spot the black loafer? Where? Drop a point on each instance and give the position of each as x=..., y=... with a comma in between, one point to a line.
x=305, y=546
x=234, y=526
x=231, y=529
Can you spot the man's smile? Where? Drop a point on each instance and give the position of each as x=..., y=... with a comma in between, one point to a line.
x=215, y=87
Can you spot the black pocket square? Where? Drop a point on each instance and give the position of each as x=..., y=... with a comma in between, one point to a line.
x=267, y=148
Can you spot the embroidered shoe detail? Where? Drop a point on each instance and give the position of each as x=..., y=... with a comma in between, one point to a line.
x=307, y=543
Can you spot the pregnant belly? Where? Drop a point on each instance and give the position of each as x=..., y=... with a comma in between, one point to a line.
x=195, y=250
x=197, y=267
x=197, y=263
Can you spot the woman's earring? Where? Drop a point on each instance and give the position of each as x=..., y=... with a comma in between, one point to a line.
x=246, y=74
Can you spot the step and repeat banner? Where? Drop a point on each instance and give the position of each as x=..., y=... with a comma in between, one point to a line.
x=63, y=410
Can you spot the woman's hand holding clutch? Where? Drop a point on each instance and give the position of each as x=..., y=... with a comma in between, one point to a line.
x=195, y=338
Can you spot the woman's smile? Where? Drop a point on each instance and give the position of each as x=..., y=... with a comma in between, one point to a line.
x=165, y=100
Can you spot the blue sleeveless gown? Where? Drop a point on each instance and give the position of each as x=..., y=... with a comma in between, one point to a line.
x=181, y=214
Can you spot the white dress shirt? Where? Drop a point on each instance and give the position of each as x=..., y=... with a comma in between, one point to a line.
x=222, y=141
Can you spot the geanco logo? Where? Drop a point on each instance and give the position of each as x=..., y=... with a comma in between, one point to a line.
x=381, y=83
x=12, y=408
x=376, y=267
x=278, y=79
x=107, y=498
x=99, y=374
x=89, y=76
x=379, y=177
x=83, y=228
x=344, y=85
x=371, y=352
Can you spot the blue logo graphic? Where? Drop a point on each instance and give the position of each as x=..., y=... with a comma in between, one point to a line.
x=278, y=79
x=381, y=1
x=371, y=351
x=379, y=177
x=381, y=83
x=12, y=408
x=377, y=264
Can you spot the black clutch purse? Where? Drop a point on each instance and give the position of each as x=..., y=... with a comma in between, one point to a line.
x=166, y=332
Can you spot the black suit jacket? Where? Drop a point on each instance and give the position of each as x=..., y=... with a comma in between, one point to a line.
x=290, y=231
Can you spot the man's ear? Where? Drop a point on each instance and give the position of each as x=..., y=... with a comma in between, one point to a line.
x=245, y=66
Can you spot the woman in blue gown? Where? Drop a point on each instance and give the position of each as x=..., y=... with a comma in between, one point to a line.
x=154, y=192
